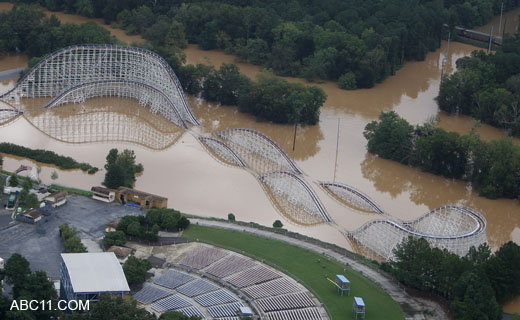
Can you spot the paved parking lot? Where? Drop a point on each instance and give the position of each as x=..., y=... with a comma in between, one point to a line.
x=40, y=244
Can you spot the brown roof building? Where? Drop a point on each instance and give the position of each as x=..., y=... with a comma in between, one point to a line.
x=139, y=198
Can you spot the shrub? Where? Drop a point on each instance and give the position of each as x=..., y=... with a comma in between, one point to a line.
x=277, y=224
x=347, y=81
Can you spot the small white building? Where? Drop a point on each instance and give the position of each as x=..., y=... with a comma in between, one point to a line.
x=57, y=198
x=103, y=194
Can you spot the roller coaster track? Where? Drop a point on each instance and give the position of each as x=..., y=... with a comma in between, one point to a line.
x=81, y=64
x=225, y=148
x=329, y=185
x=319, y=206
x=118, y=88
x=457, y=234
x=228, y=134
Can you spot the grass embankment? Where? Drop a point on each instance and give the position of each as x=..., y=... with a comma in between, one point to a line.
x=72, y=190
x=303, y=265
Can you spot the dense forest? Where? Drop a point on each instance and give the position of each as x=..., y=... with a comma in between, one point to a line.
x=487, y=87
x=357, y=42
x=473, y=284
x=26, y=29
x=492, y=167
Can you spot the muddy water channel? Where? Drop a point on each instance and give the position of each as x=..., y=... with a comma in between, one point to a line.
x=179, y=167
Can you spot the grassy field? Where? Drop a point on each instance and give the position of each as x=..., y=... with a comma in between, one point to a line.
x=304, y=265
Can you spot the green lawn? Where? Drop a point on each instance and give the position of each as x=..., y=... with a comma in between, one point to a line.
x=304, y=265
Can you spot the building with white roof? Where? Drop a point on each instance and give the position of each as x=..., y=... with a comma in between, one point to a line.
x=84, y=276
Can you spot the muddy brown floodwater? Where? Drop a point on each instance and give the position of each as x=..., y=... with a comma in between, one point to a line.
x=180, y=168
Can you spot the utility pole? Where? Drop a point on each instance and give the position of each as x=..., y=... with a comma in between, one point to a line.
x=500, y=24
x=294, y=140
x=490, y=40
x=445, y=59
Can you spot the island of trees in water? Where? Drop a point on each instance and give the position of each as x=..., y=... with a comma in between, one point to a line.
x=487, y=87
x=491, y=167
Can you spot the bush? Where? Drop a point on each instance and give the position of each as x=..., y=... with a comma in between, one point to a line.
x=71, y=242
x=277, y=224
x=13, y=182
x=347, y=81
x=231, y=217
x=116, y=238
x=135, y=270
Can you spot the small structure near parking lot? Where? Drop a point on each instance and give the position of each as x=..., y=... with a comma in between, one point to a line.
x=103, y=194
x=140, y=199
x=32, y=216
x=57, y=198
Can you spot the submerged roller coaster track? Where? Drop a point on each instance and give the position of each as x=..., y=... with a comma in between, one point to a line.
x=81, y=70
x=77, y=73
x=452, y=227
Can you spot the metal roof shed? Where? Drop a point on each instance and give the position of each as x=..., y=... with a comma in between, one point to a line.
x=86, y=275
x=359, y=307
x=343, y=284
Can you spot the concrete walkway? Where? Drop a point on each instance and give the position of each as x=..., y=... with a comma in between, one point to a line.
x=412, y=307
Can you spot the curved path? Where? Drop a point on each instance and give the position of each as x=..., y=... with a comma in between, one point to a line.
x=411, y=306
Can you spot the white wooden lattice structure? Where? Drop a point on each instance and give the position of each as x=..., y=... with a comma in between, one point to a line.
x=259, y=151
x=352, y=197
x=130, y=67
x=452, y=227
x=295, y=195
x=106, y=124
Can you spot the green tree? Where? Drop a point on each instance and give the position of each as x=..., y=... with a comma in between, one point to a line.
x=390, y=138
x=174, y=315
x=112, y=308
x=115, y=238
x=134, y=229
x=502, y=271
x=277, y=224
x=136, y=269
x=16, y=270
x=231, y=217
x=475, y=298
x=13, y=182
x=176, y=36
x=347, y=81
x=121, y=169
x=74, y=245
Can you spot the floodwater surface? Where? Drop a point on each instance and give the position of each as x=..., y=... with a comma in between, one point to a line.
x=195, y=182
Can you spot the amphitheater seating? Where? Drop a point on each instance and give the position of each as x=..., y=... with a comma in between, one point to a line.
x=196, y=288
x=202, y=257
x=191, y=311
x=298, y=314
x=172, y=279
x=252, y=276
x=286, y=302
x=151, y=293
x=171, y=303
x=225, y=310
x=215, y=298
x=271, y=288
x=229, y=265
